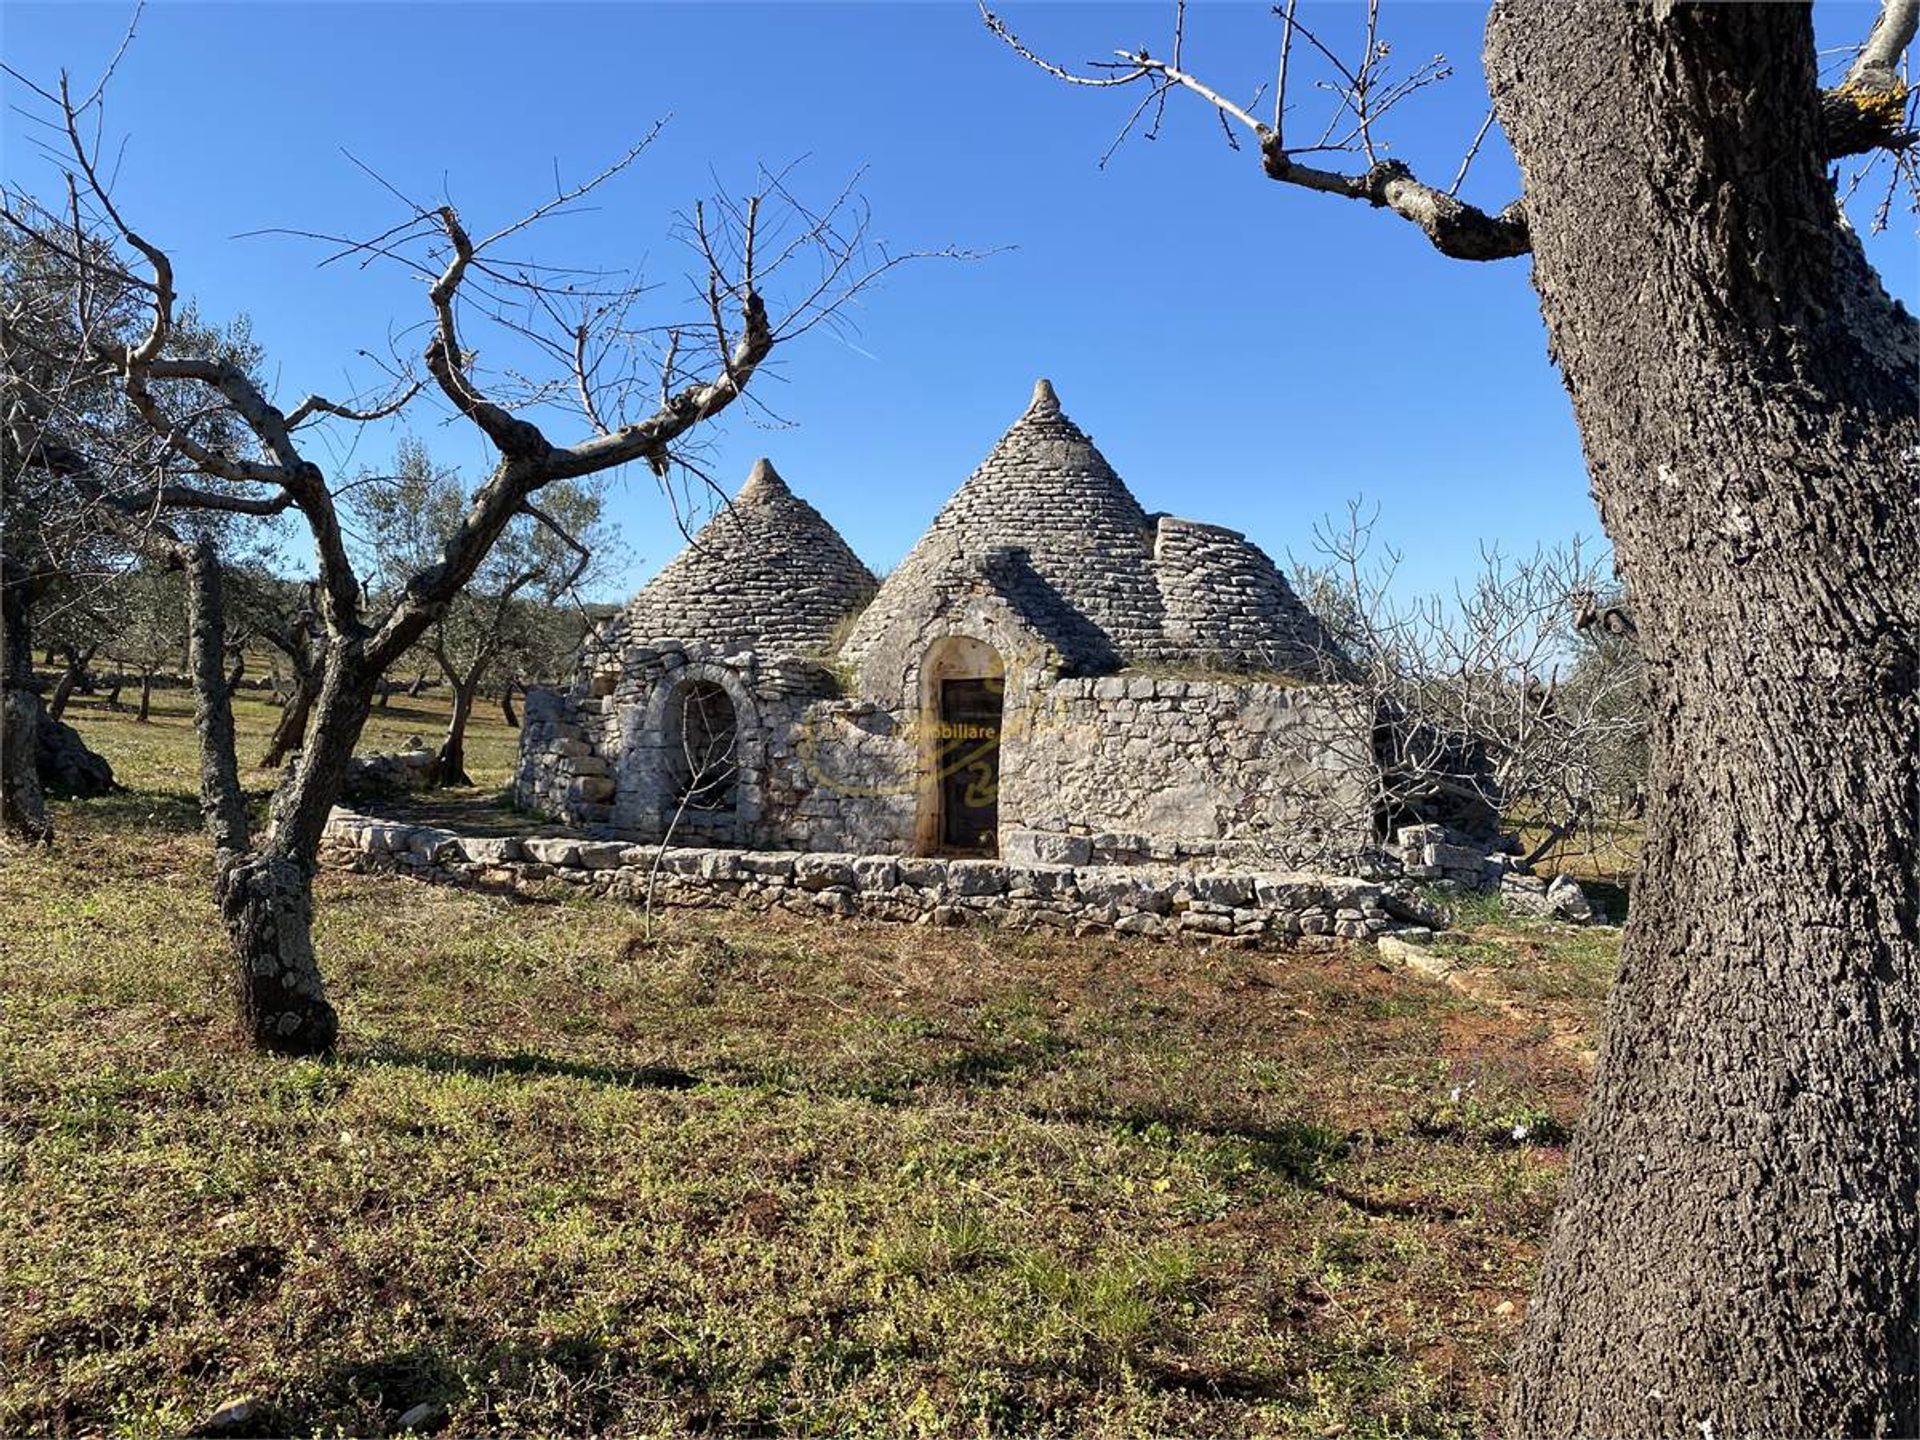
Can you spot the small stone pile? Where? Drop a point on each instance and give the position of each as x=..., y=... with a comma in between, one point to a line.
x=414, y=768
x=1434, y=854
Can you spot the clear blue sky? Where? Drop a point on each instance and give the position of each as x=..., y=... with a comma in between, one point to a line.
x=1243, y=352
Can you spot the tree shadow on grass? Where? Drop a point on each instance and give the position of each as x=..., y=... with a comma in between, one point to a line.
x=167, y=810
x=491, y=1067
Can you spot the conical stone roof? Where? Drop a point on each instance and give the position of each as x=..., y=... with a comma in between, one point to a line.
x=1044, y=489
x=765, y=573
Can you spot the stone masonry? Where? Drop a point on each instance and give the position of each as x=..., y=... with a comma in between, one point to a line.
x=1244, y=907
x=1162, y=695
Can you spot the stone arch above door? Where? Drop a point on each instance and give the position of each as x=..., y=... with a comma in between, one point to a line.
x=653, y=769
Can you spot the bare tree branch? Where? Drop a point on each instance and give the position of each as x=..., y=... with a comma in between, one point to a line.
x=1454, y=228
x=1867, y=110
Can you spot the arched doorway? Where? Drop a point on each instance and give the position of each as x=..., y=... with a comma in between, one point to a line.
x=702, y=744
x=962, y=704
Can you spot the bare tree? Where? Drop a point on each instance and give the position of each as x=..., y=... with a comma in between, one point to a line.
x=1738, y=1249
x=1493, y=710
x=539, y=561
x=638, y=393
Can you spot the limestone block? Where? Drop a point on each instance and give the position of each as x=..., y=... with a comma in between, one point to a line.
x=378, y=839
x=1044, y=882
x=767, y=865
x=1289, y=891
x=1451, y=857
x=1231, y=890
x=434, y=846
x=976, y=877
x=591, y=790
x=876, y=874
x=602, y=855
x=719, y=866
x=923, y=870
x=1206, y=924
x=1036, y=847
x=1568, y=901
x=823, y=871
x=555, y=852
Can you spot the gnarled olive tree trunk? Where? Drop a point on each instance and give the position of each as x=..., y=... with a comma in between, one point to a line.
x=23, y=802
x=290, y=731
x=1736, y=1252
x=75, y=670
x=265, y=893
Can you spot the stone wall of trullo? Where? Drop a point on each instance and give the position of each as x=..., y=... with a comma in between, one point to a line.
x=1122, y=769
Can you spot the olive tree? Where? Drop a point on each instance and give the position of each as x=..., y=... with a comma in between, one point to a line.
x=625, y=391
x=1737, y=1251
x=538, y=563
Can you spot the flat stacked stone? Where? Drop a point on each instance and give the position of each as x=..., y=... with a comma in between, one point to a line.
x=766, y=573
x=1226, y=601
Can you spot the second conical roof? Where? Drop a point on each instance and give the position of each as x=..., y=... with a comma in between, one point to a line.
x=767, y=572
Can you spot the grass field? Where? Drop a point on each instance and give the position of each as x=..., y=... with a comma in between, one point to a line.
x=756, y=1176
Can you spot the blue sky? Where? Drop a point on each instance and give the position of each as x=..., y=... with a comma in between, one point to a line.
x=1243, y=352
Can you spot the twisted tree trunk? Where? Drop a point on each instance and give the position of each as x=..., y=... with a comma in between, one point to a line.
x=266, y=895
x=76, y=668
x=1736, y=1250
x=290, y=731
x=23, y=803
x=451, y=764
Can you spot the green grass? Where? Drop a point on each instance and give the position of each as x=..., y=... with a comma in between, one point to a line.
x=757, y=1175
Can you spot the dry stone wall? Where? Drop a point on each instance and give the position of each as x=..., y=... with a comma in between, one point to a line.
x=1122, y=769
x=1245, y=907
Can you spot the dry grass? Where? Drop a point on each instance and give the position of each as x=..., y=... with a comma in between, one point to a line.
x=756, y=1176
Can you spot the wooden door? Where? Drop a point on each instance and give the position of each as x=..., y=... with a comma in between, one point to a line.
x=970, y=765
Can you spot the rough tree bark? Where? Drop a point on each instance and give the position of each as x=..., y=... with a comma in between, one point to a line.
x=23, y=803
x=451, y=764
x=1736, y=1250
x=290, y=728
x=266, y=898
x=450, y=767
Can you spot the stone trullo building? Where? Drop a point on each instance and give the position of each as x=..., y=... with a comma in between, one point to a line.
x=1052, y=674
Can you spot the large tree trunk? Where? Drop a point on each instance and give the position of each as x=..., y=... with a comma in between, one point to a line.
x=23, y=804
x=1735, y=1252
x=266, y=903
x=266, y=898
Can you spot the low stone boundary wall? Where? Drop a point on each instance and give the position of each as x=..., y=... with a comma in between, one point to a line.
x=1237, y=907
